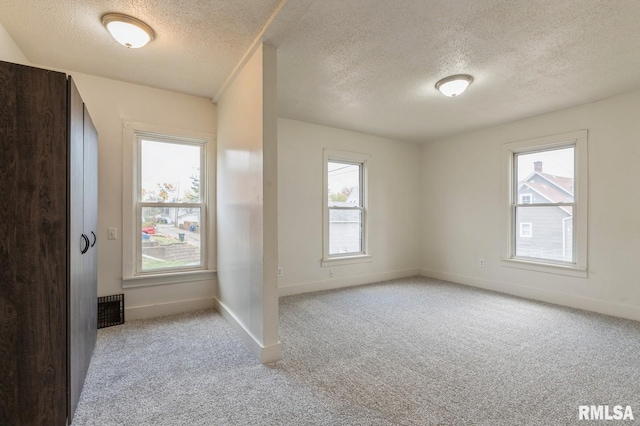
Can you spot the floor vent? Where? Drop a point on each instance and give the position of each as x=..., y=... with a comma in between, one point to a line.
x=110, y=310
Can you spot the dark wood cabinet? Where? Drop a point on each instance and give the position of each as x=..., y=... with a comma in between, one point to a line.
x=48, y=245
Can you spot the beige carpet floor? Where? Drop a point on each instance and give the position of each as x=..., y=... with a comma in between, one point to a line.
x=406, y=352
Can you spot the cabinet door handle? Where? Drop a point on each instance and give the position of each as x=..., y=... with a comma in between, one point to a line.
x=95, y=239
x=86, y=244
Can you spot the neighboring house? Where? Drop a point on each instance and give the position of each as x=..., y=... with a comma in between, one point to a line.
x=167, y=215
x=353, y=199
x=545, y=232
x=188, y=219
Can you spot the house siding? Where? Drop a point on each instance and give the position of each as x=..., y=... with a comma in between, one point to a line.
x=550, y=238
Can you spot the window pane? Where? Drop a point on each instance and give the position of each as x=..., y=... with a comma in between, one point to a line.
x=545, y=176
x=544, y=233
x=345, y=231
x=170, y=172
x=170, y=238
x=344, y=184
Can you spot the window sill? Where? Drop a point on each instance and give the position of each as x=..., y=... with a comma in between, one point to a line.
x=167, y=278
x=548, y=268
x=346, y=260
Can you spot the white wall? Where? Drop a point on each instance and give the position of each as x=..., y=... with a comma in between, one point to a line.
x=461, y=211
x=9, y=50
x=394, y=207
x=108, y=103
x=247, y=205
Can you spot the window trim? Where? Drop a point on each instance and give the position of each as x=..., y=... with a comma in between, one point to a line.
x=365, y=254
x=578, y=139
x=131, y=274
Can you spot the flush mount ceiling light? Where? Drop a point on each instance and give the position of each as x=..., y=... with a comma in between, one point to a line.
x=127, y=30
x=454, y=85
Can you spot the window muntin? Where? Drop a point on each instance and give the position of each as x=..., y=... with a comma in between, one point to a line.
x=170, y=205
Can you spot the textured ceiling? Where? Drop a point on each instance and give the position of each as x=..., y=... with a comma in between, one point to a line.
x=371, y=65
x=363, y=65
x=198, y=42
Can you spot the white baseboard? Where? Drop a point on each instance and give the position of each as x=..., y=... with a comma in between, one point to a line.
x=572, y=301
x=169, y=308
x=265, y=354
x=345, y=282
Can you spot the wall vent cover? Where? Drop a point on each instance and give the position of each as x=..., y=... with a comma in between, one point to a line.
x=110, y=310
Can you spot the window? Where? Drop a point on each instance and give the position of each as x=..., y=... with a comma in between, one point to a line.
x=170, y=204
x=166, y=229
x=525, y=230
x=345, y=207
x=547, y=190
x=525, y=198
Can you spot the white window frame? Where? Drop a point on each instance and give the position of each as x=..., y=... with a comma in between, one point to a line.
x=526, y=234
x=331, y=155
x=578, y=139
x=132, y=274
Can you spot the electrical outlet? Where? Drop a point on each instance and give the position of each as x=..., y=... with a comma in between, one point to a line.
x=113, y=233
x=280, y=271
x=330, y=273
x=481, y=262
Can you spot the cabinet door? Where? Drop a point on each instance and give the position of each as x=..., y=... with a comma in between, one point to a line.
x=91, y=229
x=91, y=225
x=78, y=244
x=83, y=304
x=33, y=246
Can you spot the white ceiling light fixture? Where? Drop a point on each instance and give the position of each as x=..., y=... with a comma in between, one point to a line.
x=454, y=85
x=127, y=30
